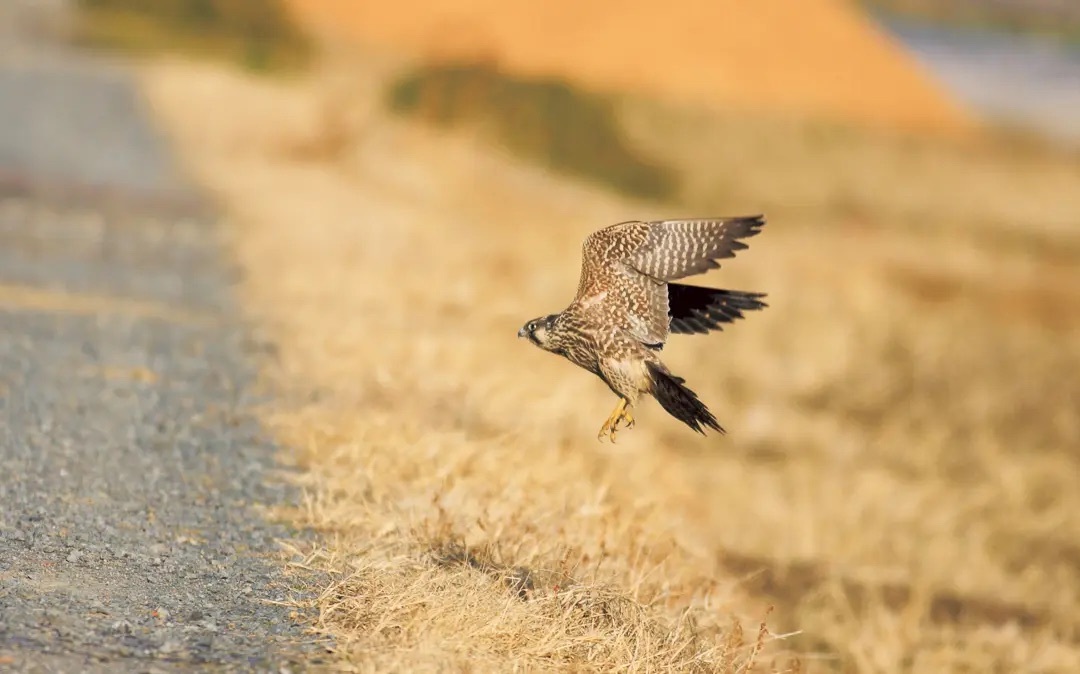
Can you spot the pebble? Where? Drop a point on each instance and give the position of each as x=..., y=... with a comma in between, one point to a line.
x=120, y=627
x=170, y=646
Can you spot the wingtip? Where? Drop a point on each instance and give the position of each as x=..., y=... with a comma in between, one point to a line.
x=756, y=222
x=744, y=226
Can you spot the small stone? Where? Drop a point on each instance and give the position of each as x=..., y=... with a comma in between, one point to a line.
x=120, y=627
x=74, y=556
x=170, y=646
x=161, y=614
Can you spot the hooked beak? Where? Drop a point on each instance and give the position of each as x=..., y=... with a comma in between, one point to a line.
x=522, y=332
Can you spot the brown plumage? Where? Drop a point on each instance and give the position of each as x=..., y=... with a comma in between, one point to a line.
x=626, y=306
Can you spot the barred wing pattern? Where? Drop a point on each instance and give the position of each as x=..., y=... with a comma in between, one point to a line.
x=674, y=249
x=625, y=269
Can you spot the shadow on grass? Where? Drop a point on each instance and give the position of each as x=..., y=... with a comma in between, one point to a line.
x=545, y=120
x=789, y=584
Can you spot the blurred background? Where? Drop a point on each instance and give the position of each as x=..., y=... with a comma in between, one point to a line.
x=414, y=180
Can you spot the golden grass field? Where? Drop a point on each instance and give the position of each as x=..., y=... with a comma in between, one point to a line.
x=899, y=481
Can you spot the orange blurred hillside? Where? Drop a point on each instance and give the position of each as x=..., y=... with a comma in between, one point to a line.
x=822, y=58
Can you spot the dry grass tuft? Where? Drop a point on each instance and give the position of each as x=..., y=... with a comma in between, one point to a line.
x=444, y=601
x=899, y=480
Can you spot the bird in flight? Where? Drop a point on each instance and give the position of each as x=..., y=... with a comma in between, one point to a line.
x=626, y=306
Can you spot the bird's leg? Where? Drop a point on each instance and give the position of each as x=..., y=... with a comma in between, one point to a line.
x=628, y=417
x=612, y=424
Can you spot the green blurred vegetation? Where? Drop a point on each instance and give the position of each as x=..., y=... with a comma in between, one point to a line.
x=258, y=34
x=545, y=120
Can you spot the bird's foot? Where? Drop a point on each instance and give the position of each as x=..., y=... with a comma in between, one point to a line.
x=607, y=430
x=611, y=426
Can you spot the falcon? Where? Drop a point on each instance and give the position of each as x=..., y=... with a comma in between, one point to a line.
x=627, y=305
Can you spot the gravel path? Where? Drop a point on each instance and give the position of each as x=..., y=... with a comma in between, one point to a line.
x=132, y=473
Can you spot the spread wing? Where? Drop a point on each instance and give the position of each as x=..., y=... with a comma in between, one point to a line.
x=626, y=266
x=697, y=310
x=677, y=248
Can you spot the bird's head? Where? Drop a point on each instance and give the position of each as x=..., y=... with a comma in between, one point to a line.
x=538, y=331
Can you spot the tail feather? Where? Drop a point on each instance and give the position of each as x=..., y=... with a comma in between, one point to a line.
x=694, y=309
x=679, y=401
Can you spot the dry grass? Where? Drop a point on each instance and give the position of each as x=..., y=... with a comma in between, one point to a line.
x=900, y=476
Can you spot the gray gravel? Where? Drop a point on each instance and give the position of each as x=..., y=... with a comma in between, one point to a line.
x=133, y=474
x=1018, y=80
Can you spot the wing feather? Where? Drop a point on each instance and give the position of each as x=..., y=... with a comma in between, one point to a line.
x=604, y=253
x=695, y=309
x=675, y=249
x=627, y=265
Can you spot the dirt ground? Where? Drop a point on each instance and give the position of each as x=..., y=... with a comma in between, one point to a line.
x=899, y=478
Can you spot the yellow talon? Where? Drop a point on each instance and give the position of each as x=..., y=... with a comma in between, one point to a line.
x=603, y=429
x=611, y=426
